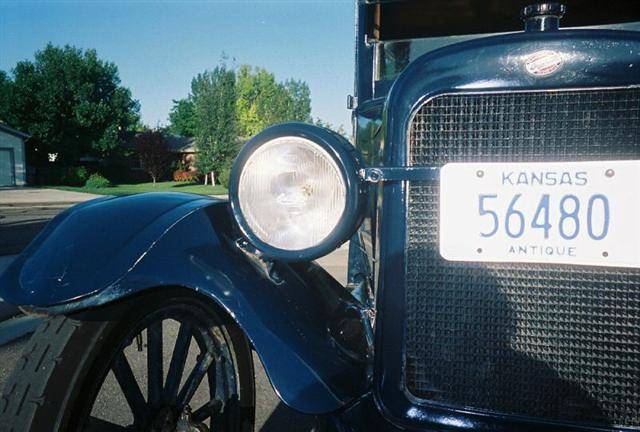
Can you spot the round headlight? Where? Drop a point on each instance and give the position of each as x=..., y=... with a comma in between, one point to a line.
x=295, y=191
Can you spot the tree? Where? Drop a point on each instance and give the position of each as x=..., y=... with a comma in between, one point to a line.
x=5, y=98
x=300, y=105
x=224, y=106
x=182, y=118
x=153, y=152
x=262, y=101
x=72, y=104
x=216, y=135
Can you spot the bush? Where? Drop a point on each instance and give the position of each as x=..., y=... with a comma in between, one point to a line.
x=223, y=176
x=74, y=176
x=97, y=181
x=119, y=172
x=180, y=175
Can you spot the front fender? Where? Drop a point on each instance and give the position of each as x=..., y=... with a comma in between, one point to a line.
x=90, y=246
x=80, y=262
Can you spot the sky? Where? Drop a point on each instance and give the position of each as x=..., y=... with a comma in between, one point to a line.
x=159, y=46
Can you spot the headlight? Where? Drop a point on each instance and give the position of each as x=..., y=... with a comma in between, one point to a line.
x=295, y=191
x=291, y=193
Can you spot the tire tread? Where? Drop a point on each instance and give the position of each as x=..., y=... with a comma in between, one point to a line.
x=23, y=394
x=47, y=387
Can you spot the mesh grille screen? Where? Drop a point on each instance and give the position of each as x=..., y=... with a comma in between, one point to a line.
x=554, y=341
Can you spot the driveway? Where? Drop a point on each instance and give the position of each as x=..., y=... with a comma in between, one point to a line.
x=16, y=196
x=25, y=211
x=13, y=196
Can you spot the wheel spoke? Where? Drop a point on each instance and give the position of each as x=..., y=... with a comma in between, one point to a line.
x=98, y=425
x=207, y=410
x=195, y=378
x=129, y=385
x=212, y=378
x=154, y=362
x=178, y=359
x=225, y=376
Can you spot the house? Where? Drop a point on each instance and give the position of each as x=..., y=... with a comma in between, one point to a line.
x=184, y=150
x=13, y=167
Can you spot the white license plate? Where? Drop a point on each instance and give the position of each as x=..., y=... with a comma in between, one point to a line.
x=583, y=213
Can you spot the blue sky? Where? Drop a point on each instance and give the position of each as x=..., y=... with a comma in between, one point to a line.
x=160, y=45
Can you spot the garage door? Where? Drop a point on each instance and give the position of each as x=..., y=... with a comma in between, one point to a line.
x=7, y=168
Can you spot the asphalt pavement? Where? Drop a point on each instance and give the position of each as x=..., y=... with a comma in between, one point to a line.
x=24, y=212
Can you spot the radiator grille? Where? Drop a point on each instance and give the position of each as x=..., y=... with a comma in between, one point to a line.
x=552, y=341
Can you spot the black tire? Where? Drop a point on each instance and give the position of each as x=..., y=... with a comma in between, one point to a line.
x=62, y=370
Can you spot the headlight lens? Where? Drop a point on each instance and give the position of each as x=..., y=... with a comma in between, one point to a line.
x=291, y=193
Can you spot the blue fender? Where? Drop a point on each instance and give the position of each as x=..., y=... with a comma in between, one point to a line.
x=107, y=249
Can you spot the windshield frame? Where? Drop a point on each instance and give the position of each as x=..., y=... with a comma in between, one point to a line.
x=392, y=57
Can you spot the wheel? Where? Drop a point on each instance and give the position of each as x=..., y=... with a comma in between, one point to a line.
x=138, y=365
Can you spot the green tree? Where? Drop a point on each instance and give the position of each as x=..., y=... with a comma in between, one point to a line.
x=300, y=95
x=182, y=118
x=216, y=135
x=72, y=104
x=6, y=88
x=262, y=101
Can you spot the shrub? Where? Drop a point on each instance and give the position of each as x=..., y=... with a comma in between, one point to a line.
x=223, y=176
x=180, y=175
x=82, y=173
x=97, y=181
x=74, y=176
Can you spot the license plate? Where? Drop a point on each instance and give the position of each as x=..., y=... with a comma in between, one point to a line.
x=582, y=213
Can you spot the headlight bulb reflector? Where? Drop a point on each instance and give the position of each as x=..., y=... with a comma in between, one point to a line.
x=291, y=193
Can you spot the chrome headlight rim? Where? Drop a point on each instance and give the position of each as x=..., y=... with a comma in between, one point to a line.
x=349, y=162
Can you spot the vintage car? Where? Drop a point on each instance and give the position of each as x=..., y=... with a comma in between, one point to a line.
x=491, y=200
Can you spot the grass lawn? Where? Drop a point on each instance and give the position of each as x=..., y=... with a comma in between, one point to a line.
x=168, y=186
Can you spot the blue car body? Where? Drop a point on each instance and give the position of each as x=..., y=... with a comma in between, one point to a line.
x=110, y=248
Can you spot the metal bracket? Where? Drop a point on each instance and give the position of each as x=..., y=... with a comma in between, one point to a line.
x=370, y=41
x=352, y=102
x=389, y=174
x=266, y=267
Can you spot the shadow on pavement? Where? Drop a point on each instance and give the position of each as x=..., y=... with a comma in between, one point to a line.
x=283, y=418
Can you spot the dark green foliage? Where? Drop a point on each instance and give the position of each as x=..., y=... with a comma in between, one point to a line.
x=71, y=102
x=225, y=174
x=97, y=181
x=5, y=97
x=214, y=98
x=74, y=176
x=299, y=100
x=182, y=120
